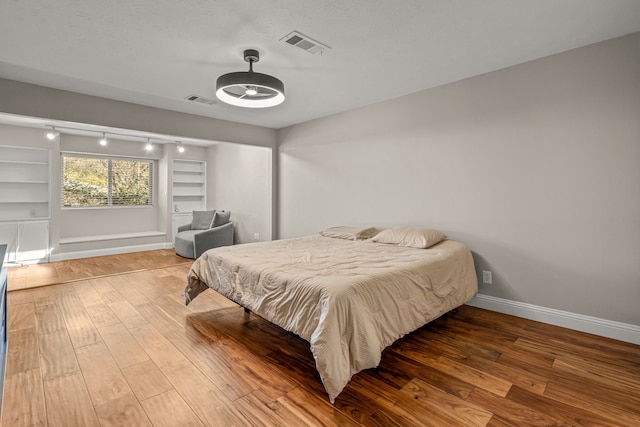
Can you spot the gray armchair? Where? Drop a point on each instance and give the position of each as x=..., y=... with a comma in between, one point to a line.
x=208, y=229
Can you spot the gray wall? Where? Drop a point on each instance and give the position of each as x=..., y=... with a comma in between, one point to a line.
x=240, y=182
x=38, y=101
x=536, y=167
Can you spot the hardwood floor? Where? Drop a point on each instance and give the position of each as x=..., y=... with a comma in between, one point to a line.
x=34, y=275
x=125, y=350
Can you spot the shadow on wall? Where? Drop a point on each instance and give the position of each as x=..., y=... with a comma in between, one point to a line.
x=542, y=280
x=499, y=286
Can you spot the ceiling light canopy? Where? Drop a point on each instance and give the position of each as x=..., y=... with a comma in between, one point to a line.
x=248, y=88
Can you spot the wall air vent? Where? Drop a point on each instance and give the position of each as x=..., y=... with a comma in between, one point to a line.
x=298, y=39
x=201, y=99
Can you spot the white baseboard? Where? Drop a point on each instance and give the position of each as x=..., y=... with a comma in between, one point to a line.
x=108, y=251
x=579, y=322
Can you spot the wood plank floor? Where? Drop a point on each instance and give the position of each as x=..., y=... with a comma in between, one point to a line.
x=34, y=275
x=125, y=350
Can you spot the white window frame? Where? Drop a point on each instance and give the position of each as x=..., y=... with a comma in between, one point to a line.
x=110, y=158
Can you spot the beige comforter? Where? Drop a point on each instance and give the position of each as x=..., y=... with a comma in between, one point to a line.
x=349, y=299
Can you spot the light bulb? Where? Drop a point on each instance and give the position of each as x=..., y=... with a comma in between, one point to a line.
x=180, y=149
x=251, y=91
x=149, y=146
x=51, y=135
x=103, y=140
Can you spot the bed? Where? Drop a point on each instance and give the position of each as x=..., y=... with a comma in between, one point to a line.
x=349, y=299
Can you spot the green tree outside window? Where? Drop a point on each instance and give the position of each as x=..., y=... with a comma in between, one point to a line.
x=104, y=181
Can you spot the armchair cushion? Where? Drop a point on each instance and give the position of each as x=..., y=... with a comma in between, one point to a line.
x=202, y=220
x=184, y=227
x=220, y=218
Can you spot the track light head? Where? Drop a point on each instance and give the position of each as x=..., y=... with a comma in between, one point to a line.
x=51, y=134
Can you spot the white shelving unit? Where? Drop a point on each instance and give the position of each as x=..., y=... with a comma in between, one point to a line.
x=189, y=182
x=25, y=202
x=189, y=189
x=24, y=183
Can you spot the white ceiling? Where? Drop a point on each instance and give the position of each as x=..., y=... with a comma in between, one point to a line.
x=157, y=52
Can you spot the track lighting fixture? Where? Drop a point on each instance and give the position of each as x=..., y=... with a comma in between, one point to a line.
x=51, y=134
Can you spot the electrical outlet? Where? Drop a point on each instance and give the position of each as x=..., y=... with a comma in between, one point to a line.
x=486, y=277
x=256, y=236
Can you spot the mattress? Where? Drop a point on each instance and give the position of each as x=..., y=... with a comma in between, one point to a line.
x=348, y=299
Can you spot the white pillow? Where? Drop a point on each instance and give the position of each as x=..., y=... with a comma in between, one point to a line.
x=350, y=233
x=420, y=238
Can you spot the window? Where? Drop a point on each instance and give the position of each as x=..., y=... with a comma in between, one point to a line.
x=92, y=181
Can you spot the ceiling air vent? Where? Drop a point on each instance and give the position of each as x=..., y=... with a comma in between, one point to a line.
x=201, y=99
x=298, y=39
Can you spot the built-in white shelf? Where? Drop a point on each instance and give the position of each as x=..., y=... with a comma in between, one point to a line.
x=189, y=189
x=21, y=162
x=21, y=202
x=24, y=182
x=25, y=191
x=189, y=185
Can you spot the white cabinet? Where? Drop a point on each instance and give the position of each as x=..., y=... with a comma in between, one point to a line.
x=27, y=241
x=189, y=186
x=24, y=183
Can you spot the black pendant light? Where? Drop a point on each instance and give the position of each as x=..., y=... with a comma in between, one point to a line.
x=248, y=88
